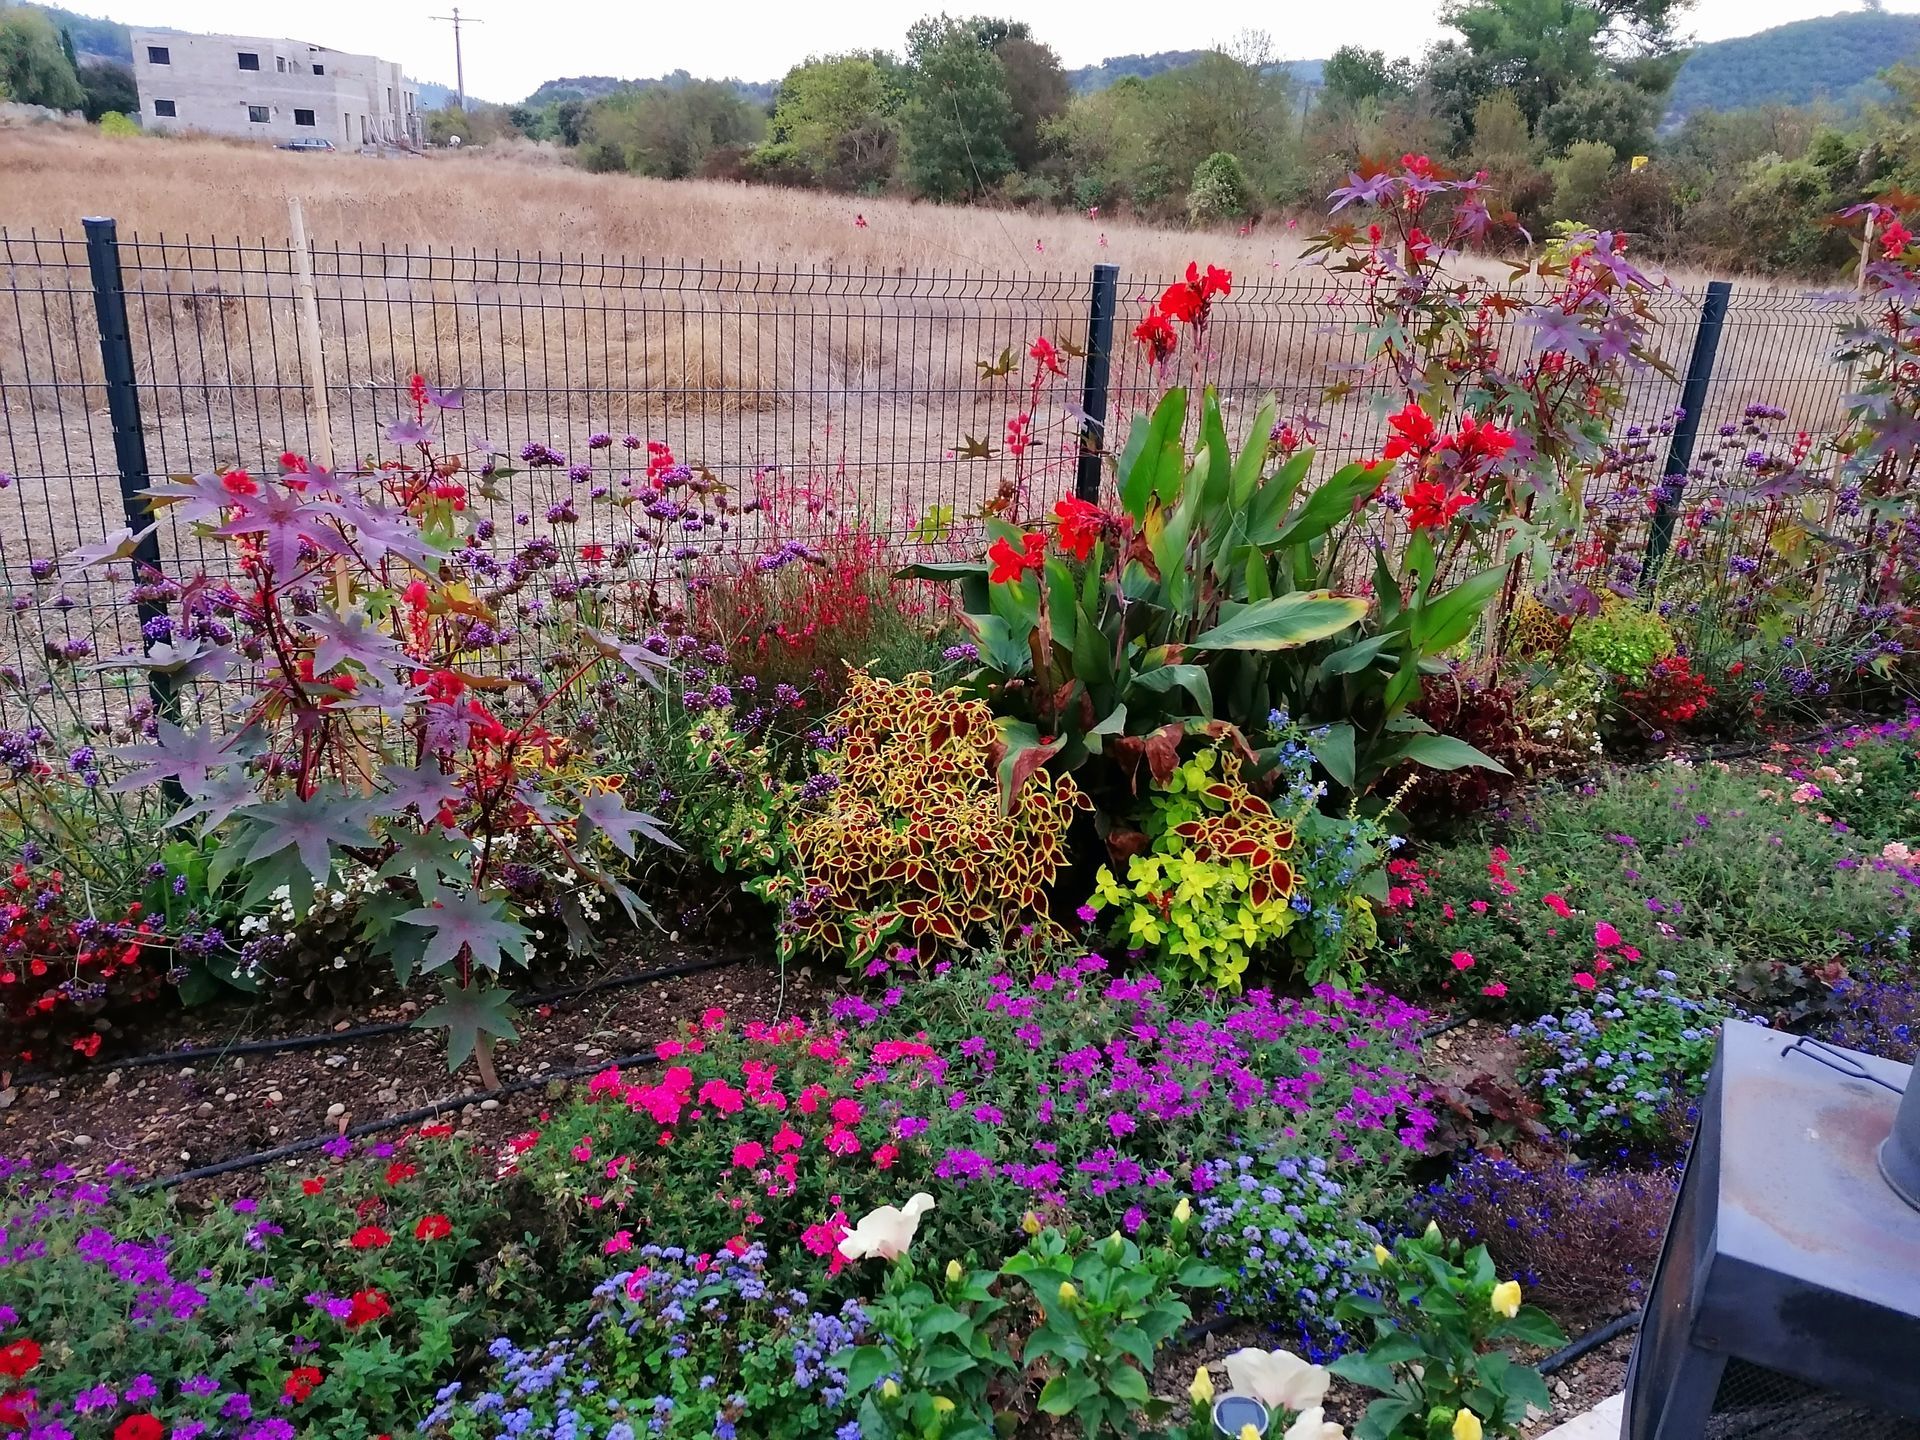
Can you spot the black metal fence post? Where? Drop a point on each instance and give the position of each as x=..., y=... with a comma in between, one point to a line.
x=1693, y=403
x=123, y=408
x=1093, y=397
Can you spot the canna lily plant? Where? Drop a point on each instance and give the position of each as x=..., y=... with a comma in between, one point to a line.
x=1212, y=596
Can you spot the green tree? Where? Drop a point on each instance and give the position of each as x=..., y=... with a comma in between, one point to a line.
x=1453, y=82
x=33, y=66
x=1580, y=179
x=670, y=130
x=959, y=115
x=1499, y=129
x=1233, y=101
x=1353, y=73
x=1602, y=109
x=838, y=118
x=1220, y=190
x=1541, y=49
x=1039, y=90
x=108, y=87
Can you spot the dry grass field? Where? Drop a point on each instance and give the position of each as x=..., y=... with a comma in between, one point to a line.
x=842, y=342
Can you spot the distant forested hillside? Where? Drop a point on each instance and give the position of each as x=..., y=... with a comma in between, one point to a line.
x=597, y=87
x=1834, y=57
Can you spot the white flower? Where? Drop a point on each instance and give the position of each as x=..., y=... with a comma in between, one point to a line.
x=1312, y=1424
x=886, y=1233
x=1278, y=1378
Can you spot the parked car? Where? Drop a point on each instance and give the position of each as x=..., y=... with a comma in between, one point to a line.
x=305, y=142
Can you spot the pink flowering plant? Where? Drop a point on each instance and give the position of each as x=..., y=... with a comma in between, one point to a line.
x=1076, y=1095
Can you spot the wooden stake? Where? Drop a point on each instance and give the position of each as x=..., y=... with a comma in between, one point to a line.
x=313, y=354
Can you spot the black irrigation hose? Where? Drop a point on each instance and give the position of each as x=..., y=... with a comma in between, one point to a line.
x=1590, y=1341
x=1443, y=1027
x=391, y=1122
x=321, y=1039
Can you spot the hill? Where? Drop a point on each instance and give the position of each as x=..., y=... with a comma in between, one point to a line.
x=1832, y=57
x=1088, y=78
x=594, y=87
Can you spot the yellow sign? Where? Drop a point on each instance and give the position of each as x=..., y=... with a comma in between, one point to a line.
x=1638, y=161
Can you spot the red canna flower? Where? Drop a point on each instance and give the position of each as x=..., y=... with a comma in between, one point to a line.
x=1430, y=507
x=301, y=1383
x=1413, y=433
x=1047, y=355
x=1156, y=332
x=1010, y=564
x=1080, y=524
x=370, y=1237
x=433, y=1227
x=139, y=1426
x=18, y=1357
x=368, y=1306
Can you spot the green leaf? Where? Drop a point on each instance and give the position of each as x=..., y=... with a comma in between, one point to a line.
x=1218, y=477
x=1357, y=656
x=1132, y=1340
x=1363, y=1370
x=1155, y=456
x=466, y=1013
x=1064, y=1394
x=1384, y=1419
x=1271, y=498
x=868, y=1365
x=1128, y=1383
x=1532, y=1326
x=1024, y=753
x=1446, y=621
x=468, y=920
x=311, y=828
x=1445, y=752
x=1253, y=458
x=1198, y=1275
x=1283, y=623
x=1190, y=678
x=1334, y=751
x=1325, y=508
x=1523, y=1383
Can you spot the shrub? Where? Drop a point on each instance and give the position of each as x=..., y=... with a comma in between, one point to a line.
x=1669, y=701
x=1284, y=1230
x=1623, y=640
x=1728, y=878
x=1220, y=190
x=1625, y=1070
x=906, y=834
x=1081, y=1098
x=1580, y=179
x=1584, y=1242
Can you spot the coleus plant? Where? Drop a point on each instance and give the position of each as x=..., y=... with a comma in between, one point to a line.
x=360, y=639
x=1208, y=600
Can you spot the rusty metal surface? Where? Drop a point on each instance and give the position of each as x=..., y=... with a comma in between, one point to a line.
x=1801, y=1192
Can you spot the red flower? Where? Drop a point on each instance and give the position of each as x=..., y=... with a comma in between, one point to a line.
x=370, y=1237
x=368, y=1306
x=238, y=482
x=1894, y=240
x=1047, y=356
x=16, y=1409
x=19, y=1357
x=1080, y=523
x=1430, y=507
x=1413, y=433
x=1418, y=165
x=313, y=1185
x=300, y=1384
x=1476, y=443
x=433, y=1227
x=139, y=1426
x=1010, y=564
x=593, y=554
x=435, y=1132
x=398, y=1171
x=1019, y=435
x=1189, y=300
x=1156, y=332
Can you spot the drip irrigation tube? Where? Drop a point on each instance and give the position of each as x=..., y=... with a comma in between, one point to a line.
x=195, y=1054
x=391, y=1122
x=1592, y=1340
x=1443, y=1027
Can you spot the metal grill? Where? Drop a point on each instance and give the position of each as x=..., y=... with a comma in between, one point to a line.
x=1755, y=1403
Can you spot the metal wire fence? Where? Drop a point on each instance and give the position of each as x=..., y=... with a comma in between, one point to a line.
x=882, y=394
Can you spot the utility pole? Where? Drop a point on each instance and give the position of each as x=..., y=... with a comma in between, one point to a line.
x=459, y=69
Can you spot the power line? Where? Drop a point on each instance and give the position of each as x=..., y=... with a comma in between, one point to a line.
x=459, y=69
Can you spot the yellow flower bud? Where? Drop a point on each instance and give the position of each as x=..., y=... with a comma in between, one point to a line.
x=1247, y=1432
x=1183, y=1212
x=942, y=1405
x=1067, y=1293
x=891, y=1389
x=954, y=1272
x=1506, y=1298
x=1432, y=1235
x=1202, y=1388
x=1466, y=1426
x=1382, y=1255
x=1030, y=1223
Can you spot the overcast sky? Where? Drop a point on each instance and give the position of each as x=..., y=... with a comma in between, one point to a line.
x=523, y=43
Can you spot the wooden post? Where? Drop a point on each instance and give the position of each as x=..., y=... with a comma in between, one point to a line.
x=313, y=355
